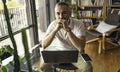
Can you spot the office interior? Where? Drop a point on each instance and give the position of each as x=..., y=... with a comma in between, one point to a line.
x=36, y=15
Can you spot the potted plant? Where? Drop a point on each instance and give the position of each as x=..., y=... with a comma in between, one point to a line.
x=25, y=43
x=15, y=54
x=5, y=52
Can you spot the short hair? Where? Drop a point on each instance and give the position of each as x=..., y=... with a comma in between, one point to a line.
x=61, y=4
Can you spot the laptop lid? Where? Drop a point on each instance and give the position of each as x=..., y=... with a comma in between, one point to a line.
x=60, y=56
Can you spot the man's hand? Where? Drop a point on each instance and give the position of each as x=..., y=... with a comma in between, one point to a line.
x=58, y=26
x=64, y=23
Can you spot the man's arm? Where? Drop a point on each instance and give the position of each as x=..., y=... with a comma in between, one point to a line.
x=78, y=42
x=48, y=39
x=50, y=36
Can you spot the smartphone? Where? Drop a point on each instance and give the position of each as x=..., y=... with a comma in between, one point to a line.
x=86, y=57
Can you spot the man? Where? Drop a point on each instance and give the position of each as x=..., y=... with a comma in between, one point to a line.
x=69, y=34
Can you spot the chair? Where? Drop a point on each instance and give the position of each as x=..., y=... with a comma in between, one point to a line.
x=105, y=31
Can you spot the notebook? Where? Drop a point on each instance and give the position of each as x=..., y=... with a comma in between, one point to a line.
x=60, y=56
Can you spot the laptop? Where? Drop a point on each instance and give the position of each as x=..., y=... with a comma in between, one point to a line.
x=60, y=56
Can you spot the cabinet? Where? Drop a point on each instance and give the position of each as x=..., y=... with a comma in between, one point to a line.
x=92, y=11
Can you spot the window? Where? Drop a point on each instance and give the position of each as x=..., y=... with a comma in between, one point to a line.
x=20, y=17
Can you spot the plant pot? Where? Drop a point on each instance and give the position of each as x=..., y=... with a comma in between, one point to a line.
x=5, y=55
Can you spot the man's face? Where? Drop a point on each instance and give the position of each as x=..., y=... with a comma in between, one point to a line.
x=62, y=12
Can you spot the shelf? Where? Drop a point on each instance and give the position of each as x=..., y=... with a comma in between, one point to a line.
x=91, y=17
x=114, y=6
x=91, y=6
x=92, y=10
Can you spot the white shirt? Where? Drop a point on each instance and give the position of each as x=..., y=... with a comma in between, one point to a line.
x=61, y=39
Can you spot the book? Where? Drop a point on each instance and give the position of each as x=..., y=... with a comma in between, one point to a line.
x=86, y=2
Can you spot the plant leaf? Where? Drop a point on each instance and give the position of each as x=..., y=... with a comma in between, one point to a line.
x=26, y=49
x=16, y=57
x=4, y=69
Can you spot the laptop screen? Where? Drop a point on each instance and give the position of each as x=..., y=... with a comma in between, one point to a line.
x=60, y=56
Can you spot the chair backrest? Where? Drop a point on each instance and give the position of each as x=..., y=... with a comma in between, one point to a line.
x=112, y=21
x=113, y=17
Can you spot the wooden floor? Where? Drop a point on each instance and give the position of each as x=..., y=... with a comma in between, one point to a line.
x=107, y=61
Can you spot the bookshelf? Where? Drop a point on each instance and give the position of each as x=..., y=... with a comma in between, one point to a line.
x=92, y=11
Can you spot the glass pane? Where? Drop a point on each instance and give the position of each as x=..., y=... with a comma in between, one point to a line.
x=41, y=17
x=17, y=14
x=18, y=19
